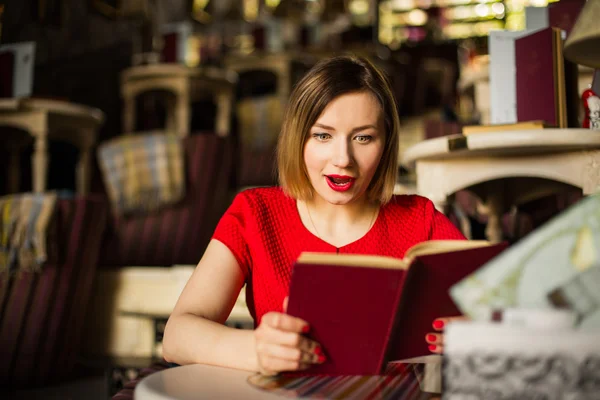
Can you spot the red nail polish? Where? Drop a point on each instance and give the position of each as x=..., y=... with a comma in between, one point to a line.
x=319, y=351
x=432, y=348
x=431, y=338
x=321, y=358
x=305, y=329
x=438, y=324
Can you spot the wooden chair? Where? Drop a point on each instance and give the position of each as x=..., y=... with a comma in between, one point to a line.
x=186, y=85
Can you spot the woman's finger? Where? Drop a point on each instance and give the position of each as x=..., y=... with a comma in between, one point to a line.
x=289, y=339
x=434, y=338
x=285, y=303
x=292, y=354
x=436, y=349
x=440, y=323
x=285, y=322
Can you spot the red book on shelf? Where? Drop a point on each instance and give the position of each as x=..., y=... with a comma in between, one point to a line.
x=541, y=93
x=368, y=310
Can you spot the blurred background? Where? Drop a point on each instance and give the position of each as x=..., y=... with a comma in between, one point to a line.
x=81, y=80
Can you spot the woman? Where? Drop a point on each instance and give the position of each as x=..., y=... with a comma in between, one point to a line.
x=337, y=161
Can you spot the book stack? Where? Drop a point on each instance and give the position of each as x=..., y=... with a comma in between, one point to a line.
x=530, y=80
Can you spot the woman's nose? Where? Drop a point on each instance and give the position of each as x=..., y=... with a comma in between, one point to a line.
x=343, y=156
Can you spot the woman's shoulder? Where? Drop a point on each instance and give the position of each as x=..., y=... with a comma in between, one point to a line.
x=409, y=203
x=271, y=194
x=262, y=198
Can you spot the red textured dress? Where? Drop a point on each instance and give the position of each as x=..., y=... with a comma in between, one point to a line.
x=263, y=230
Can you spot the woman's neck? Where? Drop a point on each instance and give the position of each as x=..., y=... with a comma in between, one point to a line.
x=338, y=224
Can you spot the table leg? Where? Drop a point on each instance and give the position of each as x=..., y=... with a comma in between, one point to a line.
x=14, y=170
x=83, y=172
x=171, y=120
x=128, y=114
x=493, y=230
x=224, y=103
x=39, y=163
x=182, y=113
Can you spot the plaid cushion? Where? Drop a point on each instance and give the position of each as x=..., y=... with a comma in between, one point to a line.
x=143, y=172
x=42, y=314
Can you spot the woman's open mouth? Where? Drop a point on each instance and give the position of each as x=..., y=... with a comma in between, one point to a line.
x=340, y=183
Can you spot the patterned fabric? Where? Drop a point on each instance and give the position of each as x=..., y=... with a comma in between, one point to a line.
x=42, y=314
x=263, y=230
x=24, y=231
x=177, y=234
x=144, y=172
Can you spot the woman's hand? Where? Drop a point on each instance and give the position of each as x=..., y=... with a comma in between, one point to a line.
x=436, y=339
x=280, y=345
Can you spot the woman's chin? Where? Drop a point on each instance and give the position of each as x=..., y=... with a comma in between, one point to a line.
x=339, y=198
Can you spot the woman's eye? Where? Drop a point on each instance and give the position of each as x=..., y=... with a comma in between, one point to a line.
x=321, y=136
x=363, y=138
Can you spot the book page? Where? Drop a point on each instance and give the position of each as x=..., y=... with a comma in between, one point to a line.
x=442, y=246
x=352, y=260
x=373, y=261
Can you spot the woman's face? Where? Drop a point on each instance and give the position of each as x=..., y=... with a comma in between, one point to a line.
x=344, y=147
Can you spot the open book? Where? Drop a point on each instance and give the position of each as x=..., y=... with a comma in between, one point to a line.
x=367, y=310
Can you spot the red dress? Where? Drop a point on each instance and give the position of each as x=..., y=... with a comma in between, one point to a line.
x=263, y=230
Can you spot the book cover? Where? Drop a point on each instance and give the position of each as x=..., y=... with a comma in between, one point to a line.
x=503, y=76
x=368, y=310
x=540, y=78
x=531, y=270
x=596, y=82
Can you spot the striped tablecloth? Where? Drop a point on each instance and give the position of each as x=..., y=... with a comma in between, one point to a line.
x=400, y=382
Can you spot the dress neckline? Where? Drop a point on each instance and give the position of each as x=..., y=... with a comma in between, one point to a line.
x=299, y=222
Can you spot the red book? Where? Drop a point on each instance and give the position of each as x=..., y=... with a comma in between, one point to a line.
x=368, y=310
x=541, y=93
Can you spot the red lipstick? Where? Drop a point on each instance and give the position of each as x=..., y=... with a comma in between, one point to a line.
x=340, y=183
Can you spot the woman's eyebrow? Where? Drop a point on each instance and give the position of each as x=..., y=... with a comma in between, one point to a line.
x=357, y=129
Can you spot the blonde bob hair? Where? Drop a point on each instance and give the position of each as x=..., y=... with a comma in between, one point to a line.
x=326, y=81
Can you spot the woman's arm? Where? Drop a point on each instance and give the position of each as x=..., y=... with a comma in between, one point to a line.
x=195, y=332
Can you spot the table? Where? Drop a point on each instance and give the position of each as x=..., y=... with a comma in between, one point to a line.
x=209, y=382
x=185, y=84
x=46, y=118
x=506, y=168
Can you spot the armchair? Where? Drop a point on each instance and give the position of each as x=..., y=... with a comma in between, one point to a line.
x=177, y=234
x=42, y=314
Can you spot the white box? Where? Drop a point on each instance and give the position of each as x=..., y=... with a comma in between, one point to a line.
x=23, y=67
